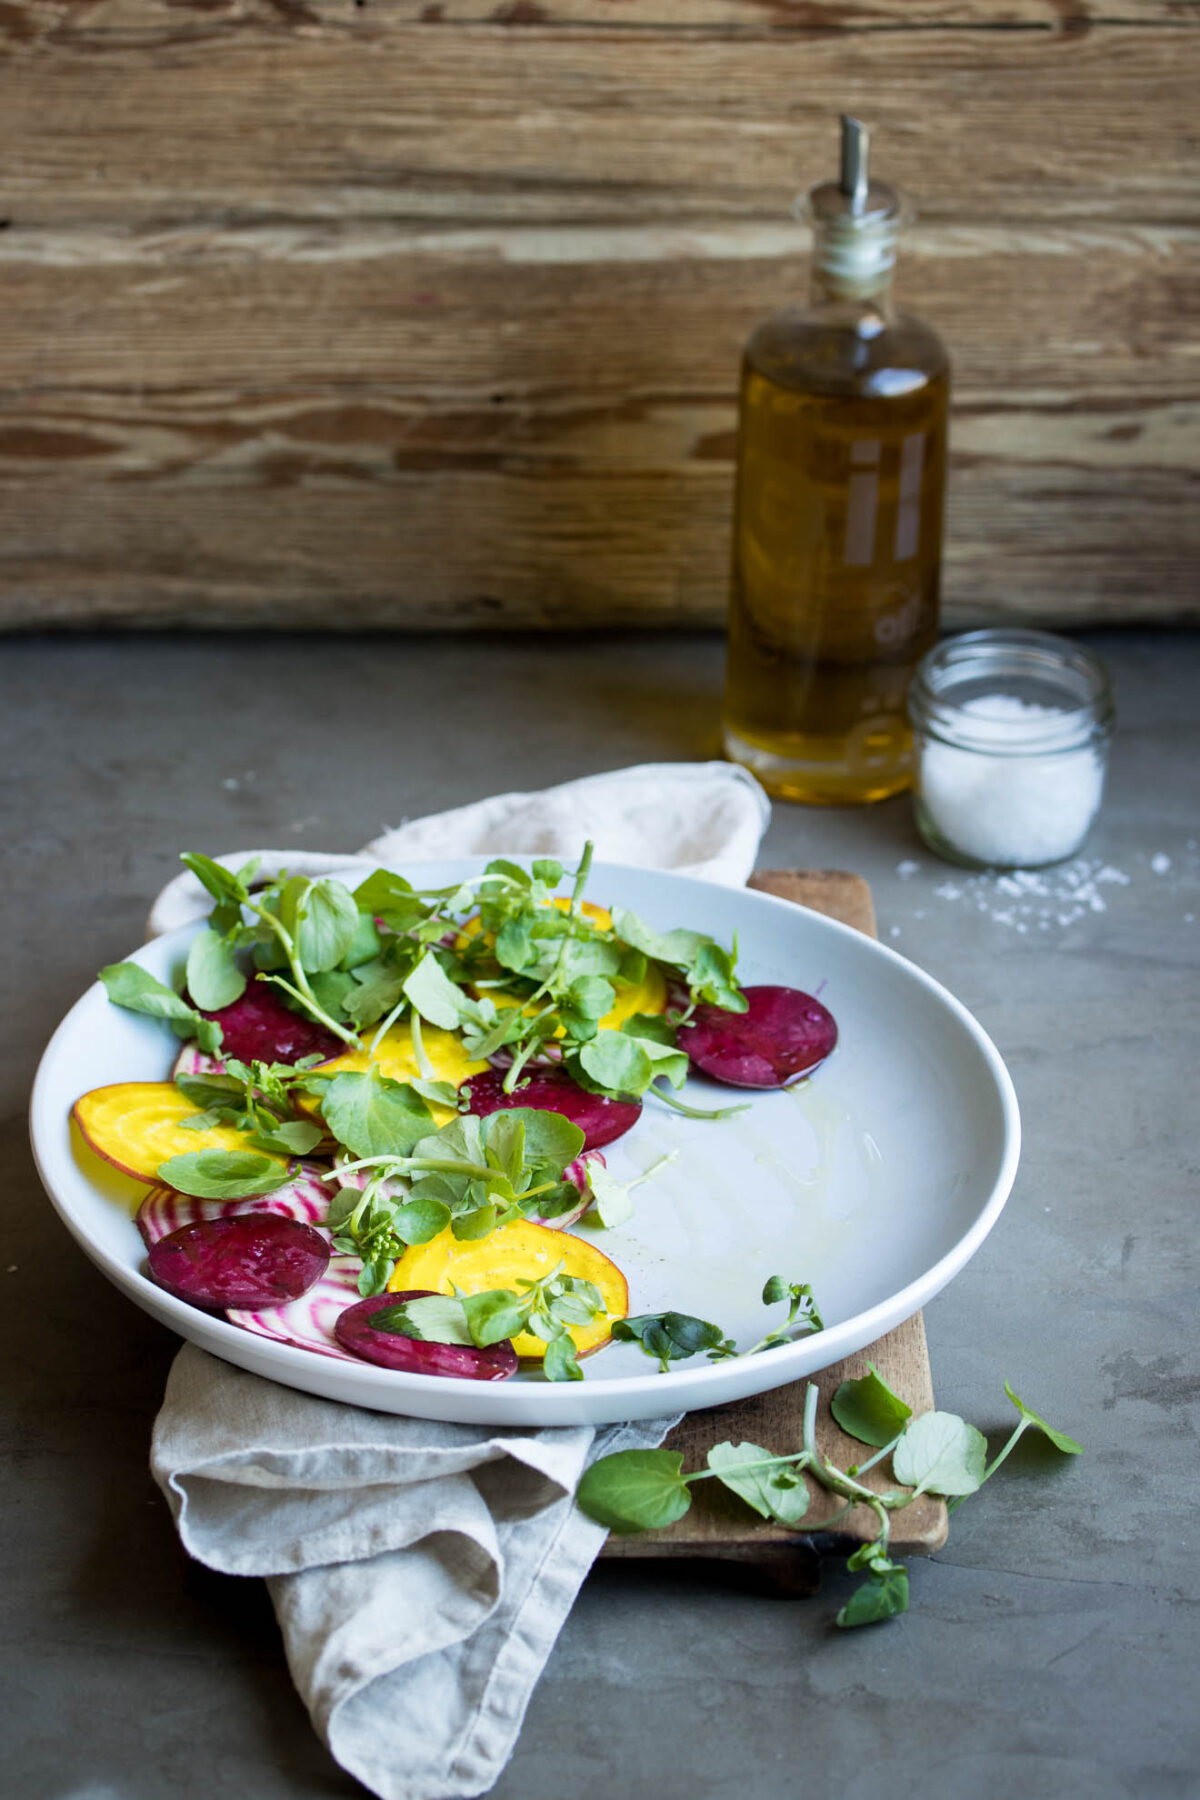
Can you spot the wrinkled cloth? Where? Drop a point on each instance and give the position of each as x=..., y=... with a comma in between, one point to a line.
x=703, y=819
x=420, y=1572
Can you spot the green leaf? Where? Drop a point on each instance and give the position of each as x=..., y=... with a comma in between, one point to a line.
x=436, y=997
x=419, y=1221
x=551, y=1140
x=438, y=1093
x=128, y=984
x=375, y=988
x=613, y=1199
x=506, y=1144
x=219, y=882
x=1059, y=1439
x=328, y=921
x=494, y=1316
x=365, y=945
x=880, y=1597
x=382, y=890
x=679, y=948
x=941, y=1454
x=560, y=1362
x=655, y=1026
x=670, y=1336
x=468, y=1226
x=213, y=977
x=433, y=1319
x=331, y=989
x=373, y=1115
x=622, y=1064
x=296, y=1137
x=209, y=1035
x=375, y=1275
x=514, y=945
x=868, y=1409
x=635, y=1490
x=617, y=1063
x=547, y=870
x=592, y=996
x=778, y=1493
x=223, y=1174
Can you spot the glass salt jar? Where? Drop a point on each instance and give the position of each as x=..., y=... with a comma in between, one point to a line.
x=1011, y=731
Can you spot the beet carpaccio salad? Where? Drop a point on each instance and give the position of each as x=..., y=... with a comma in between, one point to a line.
x=392, y=1106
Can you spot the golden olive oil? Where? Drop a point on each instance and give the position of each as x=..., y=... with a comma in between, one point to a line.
x=841, y=470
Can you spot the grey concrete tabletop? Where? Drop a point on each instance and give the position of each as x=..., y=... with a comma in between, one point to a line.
x=1052, y=1646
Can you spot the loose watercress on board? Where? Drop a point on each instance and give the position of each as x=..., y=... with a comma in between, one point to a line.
x=642, y=1490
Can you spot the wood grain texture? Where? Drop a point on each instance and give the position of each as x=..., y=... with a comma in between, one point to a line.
x=412, y=314
x=718, y=1525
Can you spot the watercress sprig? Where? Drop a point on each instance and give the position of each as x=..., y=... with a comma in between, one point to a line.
x=547, y=1307
x=937, y=1453
x=674, y=1336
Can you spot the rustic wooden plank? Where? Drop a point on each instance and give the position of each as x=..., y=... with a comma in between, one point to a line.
x=718, y=1525
x=394, y=119
x=1055, y=545
x=834, y=892
x=1035, y=316
x=38, y=22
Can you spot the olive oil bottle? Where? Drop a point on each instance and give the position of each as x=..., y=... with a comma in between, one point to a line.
x=837, y=546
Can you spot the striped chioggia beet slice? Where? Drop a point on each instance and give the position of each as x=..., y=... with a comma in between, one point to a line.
x=260, y=1028
x=782, y=1035
x=304, y=1198
x=251, y=1259
x=192, y=1060
x=307, y=1323
x=418, y=1356
x=600, y=1119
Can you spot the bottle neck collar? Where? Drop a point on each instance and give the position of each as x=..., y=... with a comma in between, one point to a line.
x=854, y=245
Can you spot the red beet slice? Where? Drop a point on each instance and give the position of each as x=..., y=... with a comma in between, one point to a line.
x=600, y=1119
x=783, y=1034
x=251, y=1259
x=305, y=1198
x=414, y=1356
x=260, y=1028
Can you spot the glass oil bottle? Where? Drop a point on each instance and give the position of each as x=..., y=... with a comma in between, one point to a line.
x=841, y=471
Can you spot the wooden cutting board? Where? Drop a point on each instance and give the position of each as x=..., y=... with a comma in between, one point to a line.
x=719, y=1527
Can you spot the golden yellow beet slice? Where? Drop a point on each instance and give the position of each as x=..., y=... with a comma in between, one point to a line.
x=649, y=996
x=515, y=1253
x=136, y=1125
x=396, y=1058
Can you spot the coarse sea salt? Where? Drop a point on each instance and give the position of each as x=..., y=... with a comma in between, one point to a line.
x=1000, y=805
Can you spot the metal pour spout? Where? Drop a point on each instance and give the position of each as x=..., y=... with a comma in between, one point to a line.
x=853, y=179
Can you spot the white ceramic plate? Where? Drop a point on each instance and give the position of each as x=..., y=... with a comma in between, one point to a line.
x=875, y=1180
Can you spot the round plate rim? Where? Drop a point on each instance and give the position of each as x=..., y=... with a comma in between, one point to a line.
x=597, y=1399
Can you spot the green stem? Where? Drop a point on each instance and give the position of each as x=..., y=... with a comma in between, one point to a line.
x=301, y=991
x=581, y=875
x=528, y=1050
x=861, y=1468
x=770, y=1462
x=991, y=1470
x=424, y=1067
x=695, y=1112
x=834, y=1479
x=388, y=1022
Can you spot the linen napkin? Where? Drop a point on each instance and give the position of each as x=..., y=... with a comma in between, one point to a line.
x=420, y=1572
x=704, y=819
